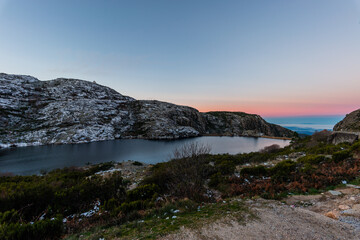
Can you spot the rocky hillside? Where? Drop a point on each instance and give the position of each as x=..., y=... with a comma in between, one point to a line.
x=242, y=124
x=351, y=123
x=75, y=111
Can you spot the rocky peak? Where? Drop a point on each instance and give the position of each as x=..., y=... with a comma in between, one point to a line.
x=351, y=123
x=17, y=78
x=242, y=124
x=65, y=88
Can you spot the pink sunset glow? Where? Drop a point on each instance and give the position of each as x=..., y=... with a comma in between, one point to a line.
x=282, y=109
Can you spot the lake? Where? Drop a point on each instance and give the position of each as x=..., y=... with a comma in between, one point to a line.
x=31, y=160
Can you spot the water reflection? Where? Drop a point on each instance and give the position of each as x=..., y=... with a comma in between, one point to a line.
x=31, y=160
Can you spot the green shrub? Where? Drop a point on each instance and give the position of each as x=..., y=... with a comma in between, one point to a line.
x=8, y=217
x=226, y=167
x=283, y=170
x=308, y=168
x=65, y=191
x=167, y=209
x=341, y=155
x=144, y=192
x=111, y=204
x=216, y=179
x=254, y=171
x=325, y=149
x=100, y=167
x=136, y=163
x=182, y=177
x=312, y=159
x=127, y=207
x=254, y=157
x=355, y=146
x=44, y=229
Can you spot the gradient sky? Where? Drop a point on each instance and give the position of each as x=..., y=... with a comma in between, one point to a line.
x=274, y=58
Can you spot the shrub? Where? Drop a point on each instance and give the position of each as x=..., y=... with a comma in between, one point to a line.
x=321, y=136
x=100, y=167
x=325, y=149
x=216, y=179
x=271, y=149
x=287, y=179
x=44, y=229
x=308, y=169
x=61, y=191
x=8, y=217
x=283, y=170
x=341, y=155
x=355, y=146
x=254, y=171
x=111, y=204
x=312, y=159
x=182, y=177
x=127, y=207
x=191, y=150
x=136, y=163
x=144, y=192
x=226, y=167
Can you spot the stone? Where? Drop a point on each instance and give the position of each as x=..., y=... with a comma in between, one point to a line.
x=351, y=212
x=343, y=137
x=351, y=123
x=332, y=215
x=335, y=193
x=352, y=186
x=356, y=207
x=343, y=207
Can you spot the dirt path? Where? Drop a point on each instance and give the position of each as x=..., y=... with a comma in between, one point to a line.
x=343, y=204
x=275, y=220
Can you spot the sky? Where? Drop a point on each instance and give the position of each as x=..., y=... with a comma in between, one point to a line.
x=273, y=58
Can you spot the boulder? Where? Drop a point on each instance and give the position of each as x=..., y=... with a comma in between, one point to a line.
x=343, y=207
x=342, y=137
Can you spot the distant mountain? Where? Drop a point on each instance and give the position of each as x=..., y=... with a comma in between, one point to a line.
x=351, y=123
x=76, y=111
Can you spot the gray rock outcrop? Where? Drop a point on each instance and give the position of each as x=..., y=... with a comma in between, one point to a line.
x=351, y=123
x=76, y=111
x=342, y=137
x=347, y=130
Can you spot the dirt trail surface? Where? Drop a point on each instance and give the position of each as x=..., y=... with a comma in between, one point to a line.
x=342, y=204
x=275, y=220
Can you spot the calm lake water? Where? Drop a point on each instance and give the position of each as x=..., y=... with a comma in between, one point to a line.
x=31, y=160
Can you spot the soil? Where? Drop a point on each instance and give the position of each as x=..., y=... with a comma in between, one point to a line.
x=322, y=216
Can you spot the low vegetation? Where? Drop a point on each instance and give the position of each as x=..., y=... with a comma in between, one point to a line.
x=169, y=218
x=171, y=194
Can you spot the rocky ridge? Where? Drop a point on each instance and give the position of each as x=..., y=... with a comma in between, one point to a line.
x=347, y=130
x=34, y=112
x=351, y=123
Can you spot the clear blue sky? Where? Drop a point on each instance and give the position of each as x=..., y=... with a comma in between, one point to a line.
x=278, y=57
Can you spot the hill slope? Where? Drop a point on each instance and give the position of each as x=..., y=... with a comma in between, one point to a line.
x=351, y=123
x=76, y=111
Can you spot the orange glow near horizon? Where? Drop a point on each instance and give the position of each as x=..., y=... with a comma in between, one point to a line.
x=277, y=110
